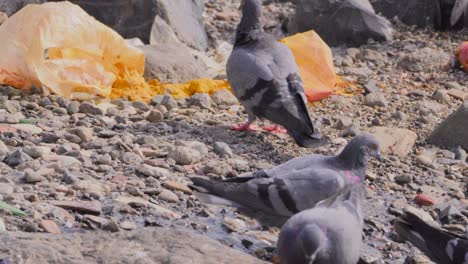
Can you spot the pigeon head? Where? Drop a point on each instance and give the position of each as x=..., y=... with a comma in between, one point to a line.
x=250, y=21
x=360, y=149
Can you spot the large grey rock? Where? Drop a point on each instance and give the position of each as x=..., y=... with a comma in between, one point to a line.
x=341, y=22
x=181, y=19
x=452, y=131
x=173, y=63
x=146, y=245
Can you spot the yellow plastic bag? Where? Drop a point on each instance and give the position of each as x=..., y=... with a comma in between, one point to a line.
x=59, y=47
x=315, y=61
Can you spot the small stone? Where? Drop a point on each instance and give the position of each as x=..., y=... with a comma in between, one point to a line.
x=371, y=87
x=31, y=228
x=352, y=130
x=234, y=225
x=184, y=155
x=89, y=108
x=146, y=140
x=86, y=207
x=155, y=172
x=201, y=100
x=6, y=188
x=423, y=200
x=224, y=97
x=127, y=225
x=458, y=94
x=73, y=107
x=111, y=226
x=36, y=152
x=28, y=128
x=344, y=122
x=403, y=179
x=168, y=196
x=216, y=167
x=45, y=102
x=223, y=148
x=32, y=177
x=441, y=96
x=2, y=226
x=460, y=153
x=130, y=158
x=371, y=176
x=375, y=99
x=16, y=158
x=105, y=159
x=177, y=186
x=50, y=226
x=157, y=100
x=155, y=116
x=92, y=187
x=169, y=102
x=84, y=133
x=48, y=137
x=141, y=106
x=424, y=160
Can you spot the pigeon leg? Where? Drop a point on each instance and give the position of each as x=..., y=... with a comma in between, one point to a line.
x=275, y=129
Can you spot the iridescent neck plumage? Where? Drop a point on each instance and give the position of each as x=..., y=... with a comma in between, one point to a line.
x=250, y=24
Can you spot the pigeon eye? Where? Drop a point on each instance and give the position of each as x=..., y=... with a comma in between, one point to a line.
x=374, y=146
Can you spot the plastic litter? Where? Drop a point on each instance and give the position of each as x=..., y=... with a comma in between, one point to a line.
x=462, y=55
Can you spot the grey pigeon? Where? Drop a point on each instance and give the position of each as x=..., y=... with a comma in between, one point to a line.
x=294, y=186
x=460, y=8
x=331, y=232
x=266, y=80
x=441, y=246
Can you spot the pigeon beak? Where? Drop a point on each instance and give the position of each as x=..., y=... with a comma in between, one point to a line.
x=242, y=4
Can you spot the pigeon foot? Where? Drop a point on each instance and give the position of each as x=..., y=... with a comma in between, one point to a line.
x=244, y=127
x=275, y=129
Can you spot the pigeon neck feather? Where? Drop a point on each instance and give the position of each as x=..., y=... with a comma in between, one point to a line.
x=250, y=24
x=354, y=159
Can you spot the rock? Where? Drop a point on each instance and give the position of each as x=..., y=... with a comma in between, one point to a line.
x=2, y=223
x=16, y=158
x=85, y=207
x=421, y=13
x=441, y=96
x=344, y=122
x=425, y=60
x=399, y=116
x=155, y=116
x=460, y=154
x=352, y=130
x=371, y=87
x=179, y=22
x=127, y=225
x=168, y=196
x=50, y=226
x=201, y=100
x=180, y=67
x=396, y=141
x=184, y=155
x=32, y=177
x=234, y=225
x=62, y=161
x=375, y=99
x=146, y=140
x=168, y=102
x=224, y=97
x=154, y=245
x=141, y=106
x=216, y=167
x=28, y=128
x=423, y=200
x=177, y=186
x=353, y=22
x=223, y=148
x=89, y=108
x=92, y=187
x=458, y=94
x=425, y=160
x=36, y=152
x=130, y=158
x=84, y=133
x=156, y=172
x=73, y=107
x=404, y=179
x=6, y=188
x=451, y=132
x=4, y=150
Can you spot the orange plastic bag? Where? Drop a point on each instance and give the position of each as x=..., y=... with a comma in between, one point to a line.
x=59, y=47
x=462, y=55
x=315, y=61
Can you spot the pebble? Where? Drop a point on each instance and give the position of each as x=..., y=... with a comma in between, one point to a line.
x=92, y=187
x=234, y=225
x=127, y=225
x=216, y=167
x=155, y=116
x=85, y=134
x=168, y=196
x=224, y=97
x=141, y=106
x=460, y=153
x=36, y=152
x=50, y=226
x=371, y=87
x=73, y=107
x=424, y=160
x=16, y=158
x=404, y=179
x=201, y=100
x=86, y=207
x=155, y=172
x=375, y=99
x=2, y=226
x=89, y=108
x=168, y=102
x=130, y=158
x=344, y=122
x=32, y=177
x=423, y=200
x=441, y=96
x=223, y=149
x=184, y=155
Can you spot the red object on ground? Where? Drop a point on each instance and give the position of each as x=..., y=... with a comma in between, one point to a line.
x=462, y=55
x=50, y=227
x=423, y=200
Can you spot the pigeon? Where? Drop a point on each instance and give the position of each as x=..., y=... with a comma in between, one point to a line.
x=460, y=8
x=294, y=186
x=265, y=78
x=331, y=232
x=441, y=246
